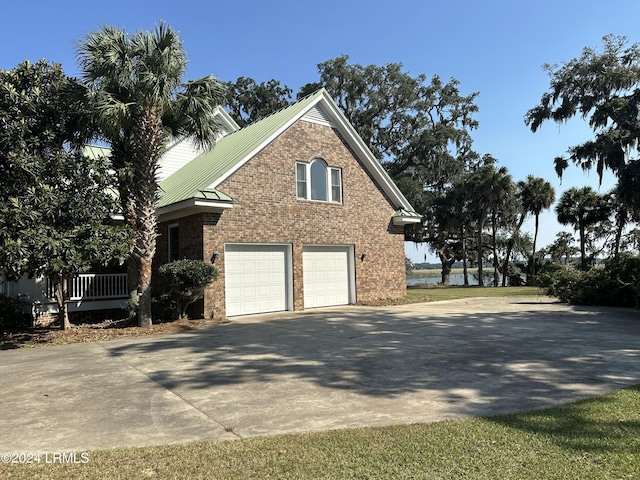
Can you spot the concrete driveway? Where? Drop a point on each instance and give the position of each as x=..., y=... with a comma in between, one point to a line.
x=319, y=370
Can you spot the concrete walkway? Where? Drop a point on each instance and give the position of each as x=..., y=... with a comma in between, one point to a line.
x=318, y=370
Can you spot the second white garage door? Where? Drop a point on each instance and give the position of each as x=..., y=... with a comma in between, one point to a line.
x=256, y=278
x=326, y=273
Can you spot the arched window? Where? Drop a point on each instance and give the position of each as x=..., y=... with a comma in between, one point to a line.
x=317, y=181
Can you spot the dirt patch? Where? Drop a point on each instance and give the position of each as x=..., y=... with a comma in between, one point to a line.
x=106, y=330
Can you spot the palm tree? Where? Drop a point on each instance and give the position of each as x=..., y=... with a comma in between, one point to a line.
x=139, y=101
x=521, y=214
x=622, y=213
x=537, y=195
x=581, y=207
x=490, y=190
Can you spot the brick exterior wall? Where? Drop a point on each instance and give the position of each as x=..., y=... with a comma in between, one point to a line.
x=267, y=211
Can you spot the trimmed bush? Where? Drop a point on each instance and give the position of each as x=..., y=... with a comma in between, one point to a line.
x=187, y=280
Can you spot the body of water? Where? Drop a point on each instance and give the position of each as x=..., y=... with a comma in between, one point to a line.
x=455, y=279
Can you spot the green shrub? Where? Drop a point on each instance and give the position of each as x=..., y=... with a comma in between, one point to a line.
x=624, y=275
x=12, y=316
x=616, y=283
x=558, y=281
x=187, y=280
x=163, y=308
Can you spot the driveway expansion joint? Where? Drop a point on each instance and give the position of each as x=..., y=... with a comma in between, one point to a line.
x=226, y=428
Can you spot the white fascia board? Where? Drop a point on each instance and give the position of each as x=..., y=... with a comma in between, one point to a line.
x=405, y=220
x=200, y=202
x=226, y=120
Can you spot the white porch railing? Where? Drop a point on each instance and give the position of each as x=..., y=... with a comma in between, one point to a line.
x=94, y=286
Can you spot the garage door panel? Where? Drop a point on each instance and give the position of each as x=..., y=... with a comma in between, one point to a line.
x=255, y=278
x=326, y=276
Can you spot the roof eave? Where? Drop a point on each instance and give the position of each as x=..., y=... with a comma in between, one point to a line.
x=406, y=220
x=191, y=206
x=226, y=120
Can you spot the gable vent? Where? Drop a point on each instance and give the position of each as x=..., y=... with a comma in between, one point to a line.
x=318, y=115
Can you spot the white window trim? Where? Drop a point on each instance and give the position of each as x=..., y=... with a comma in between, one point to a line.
x=329, y=185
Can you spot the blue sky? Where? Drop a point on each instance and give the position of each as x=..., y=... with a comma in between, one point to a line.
x=493, y=47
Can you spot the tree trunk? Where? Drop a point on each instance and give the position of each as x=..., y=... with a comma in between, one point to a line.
x=533, y=254
x=144, y=291
x=480, y=269
x=60, y=288
x=621, y=220
x=145, y=248
x=465, y=272
x=122, y=157
x=505, y=265
x=143, y=197
x=446, y=274
x=446, y=262
x=496, y=262
x=510, y=245
x=583, y=257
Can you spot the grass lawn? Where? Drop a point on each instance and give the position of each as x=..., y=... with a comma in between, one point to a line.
x=434, y=293
x=593, y=439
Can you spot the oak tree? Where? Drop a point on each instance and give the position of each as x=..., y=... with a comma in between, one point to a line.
x=602, y=87
x=249, y=101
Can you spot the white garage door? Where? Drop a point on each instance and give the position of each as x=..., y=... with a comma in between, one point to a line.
x=255, y=278
x=326, y=276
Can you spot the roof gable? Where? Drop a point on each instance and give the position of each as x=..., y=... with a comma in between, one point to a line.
x=211, y=168
x=317, y=114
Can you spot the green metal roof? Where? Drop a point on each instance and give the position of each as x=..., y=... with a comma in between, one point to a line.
x=213, y=194
x=228, y=154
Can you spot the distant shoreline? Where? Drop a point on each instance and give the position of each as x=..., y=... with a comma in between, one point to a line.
x=436, y=272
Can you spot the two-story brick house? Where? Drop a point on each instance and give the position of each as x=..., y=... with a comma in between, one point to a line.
x=294, y=210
